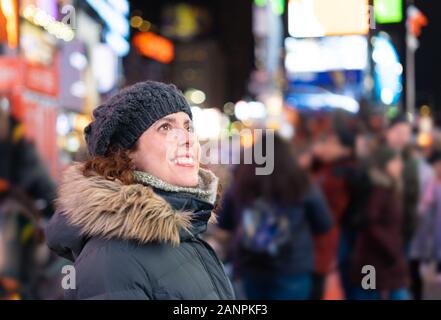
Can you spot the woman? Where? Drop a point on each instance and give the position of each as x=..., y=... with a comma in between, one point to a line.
x=272, y=219
x=380, y=242
x=131, y=216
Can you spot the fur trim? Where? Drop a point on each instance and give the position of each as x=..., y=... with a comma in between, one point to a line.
x=111, y=209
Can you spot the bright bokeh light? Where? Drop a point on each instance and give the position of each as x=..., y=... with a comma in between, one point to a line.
x=249, y=110
x=387, y=96
x=72, y=142
x=136, y=21
x=43, y=19
x=63, y=126
x=387, y=71
x=207, y=122
x=197, y=96
x=78, y=60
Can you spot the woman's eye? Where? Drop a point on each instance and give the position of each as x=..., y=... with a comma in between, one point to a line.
x=165, y=127
x=190, y=129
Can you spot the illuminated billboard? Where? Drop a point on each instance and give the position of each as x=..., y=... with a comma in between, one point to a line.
x=9, y=22
x=388, y=11
x=326, y=54
x=388, y=70
x=319, y=18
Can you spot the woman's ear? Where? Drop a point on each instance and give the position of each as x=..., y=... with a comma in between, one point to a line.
x=133, y=154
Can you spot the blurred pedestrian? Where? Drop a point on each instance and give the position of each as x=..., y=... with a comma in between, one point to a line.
x=26, y=198
x=398, y=137
x=21, y=168
x=380, y=242
x=334, y=172
x=271, y=220
x=425, y=177
x=130, y=218
x=426, y=245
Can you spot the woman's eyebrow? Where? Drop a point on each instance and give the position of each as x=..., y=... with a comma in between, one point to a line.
x=170, y=120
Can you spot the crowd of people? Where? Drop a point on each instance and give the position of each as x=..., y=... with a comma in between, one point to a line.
x=354, y=194
x=345, y=193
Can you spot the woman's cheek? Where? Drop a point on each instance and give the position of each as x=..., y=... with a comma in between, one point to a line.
x=168, y=149
x=198, y=152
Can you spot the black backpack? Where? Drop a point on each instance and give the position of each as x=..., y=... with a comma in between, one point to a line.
x=265, y=229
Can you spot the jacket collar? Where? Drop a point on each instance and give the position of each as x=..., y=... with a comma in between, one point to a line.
x=205, y=191
x=140, y=212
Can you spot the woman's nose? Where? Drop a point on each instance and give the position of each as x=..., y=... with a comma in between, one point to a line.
x=183, y=136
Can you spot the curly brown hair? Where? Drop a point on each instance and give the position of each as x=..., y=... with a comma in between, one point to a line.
x=116, y=164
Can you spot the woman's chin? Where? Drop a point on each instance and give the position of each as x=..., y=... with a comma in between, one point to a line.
x=187, y=183
x=186, y=177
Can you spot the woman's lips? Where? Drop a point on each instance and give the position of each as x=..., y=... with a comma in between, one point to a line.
x=184, y=161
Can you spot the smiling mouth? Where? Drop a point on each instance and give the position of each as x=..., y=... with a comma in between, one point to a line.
x=184, y=161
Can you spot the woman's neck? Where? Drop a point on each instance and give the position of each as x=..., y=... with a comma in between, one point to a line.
x=206, y=189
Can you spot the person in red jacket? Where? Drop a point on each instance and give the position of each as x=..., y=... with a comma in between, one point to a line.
x=380, y=242
x=335, y=153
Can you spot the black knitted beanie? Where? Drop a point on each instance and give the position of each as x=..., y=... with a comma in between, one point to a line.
x=123, y=118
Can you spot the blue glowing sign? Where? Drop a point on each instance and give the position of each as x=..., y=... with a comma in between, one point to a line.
x=114, y=13
x=388, y=70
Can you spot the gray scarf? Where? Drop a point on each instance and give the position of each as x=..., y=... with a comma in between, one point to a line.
x=206, y=189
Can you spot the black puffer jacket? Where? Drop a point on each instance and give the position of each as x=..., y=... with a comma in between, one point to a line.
x=135, y=241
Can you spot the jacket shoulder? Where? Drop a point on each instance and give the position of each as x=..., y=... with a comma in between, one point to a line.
x=110, y=269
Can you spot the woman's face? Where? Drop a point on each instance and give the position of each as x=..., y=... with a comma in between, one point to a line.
x=170, y=151
x=399, y=136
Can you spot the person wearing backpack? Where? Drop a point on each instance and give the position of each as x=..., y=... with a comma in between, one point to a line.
x=271, y=220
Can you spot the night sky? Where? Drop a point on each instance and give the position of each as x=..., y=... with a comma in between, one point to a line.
x=428, y=56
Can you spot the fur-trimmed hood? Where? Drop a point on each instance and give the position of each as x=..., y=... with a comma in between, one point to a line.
x=97, y=207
